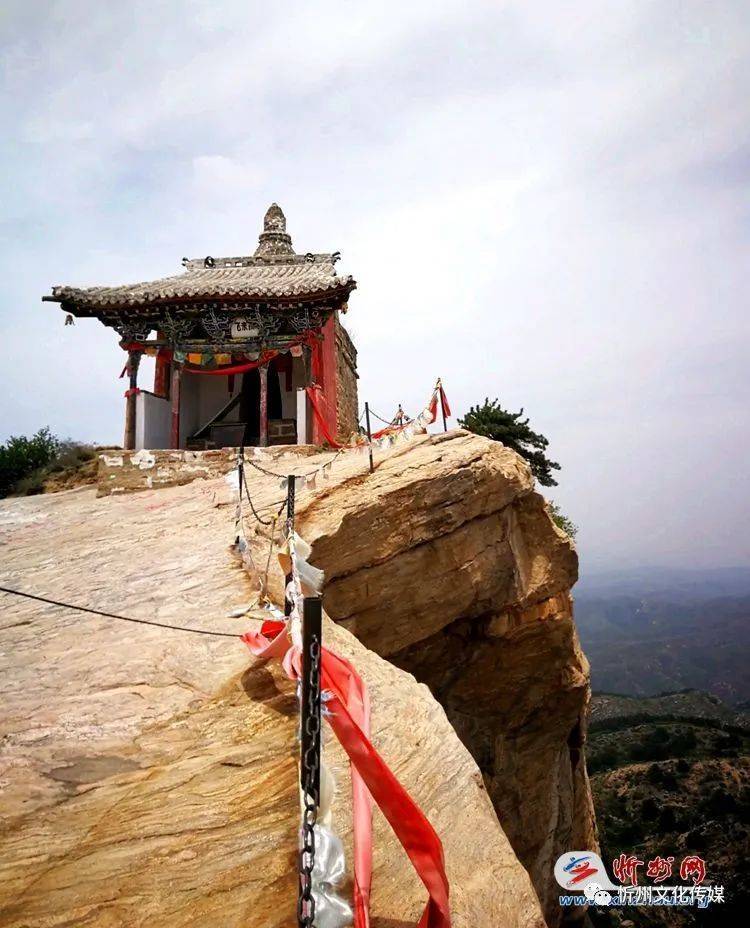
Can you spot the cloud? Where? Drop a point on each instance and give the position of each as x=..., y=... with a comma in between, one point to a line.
x=217, y=175
x=543, y=202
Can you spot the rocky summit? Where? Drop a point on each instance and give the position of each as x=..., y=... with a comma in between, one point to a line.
x=149, y=776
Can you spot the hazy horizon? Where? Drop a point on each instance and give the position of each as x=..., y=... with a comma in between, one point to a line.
x=544, y=203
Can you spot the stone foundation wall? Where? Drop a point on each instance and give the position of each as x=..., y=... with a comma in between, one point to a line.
x=346, y=379
x=132, y=471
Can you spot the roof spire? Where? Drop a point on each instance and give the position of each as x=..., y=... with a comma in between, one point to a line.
x=274, y=239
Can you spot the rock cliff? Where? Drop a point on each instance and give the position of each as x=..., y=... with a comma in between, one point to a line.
x=149, y=777
x=447, y=562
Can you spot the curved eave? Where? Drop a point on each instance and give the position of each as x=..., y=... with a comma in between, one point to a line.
x=81, y=304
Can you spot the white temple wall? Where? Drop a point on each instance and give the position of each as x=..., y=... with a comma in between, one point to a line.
x=304, y=418
x=153, y=421
x=288, y=398
x=201, y=397
x=213, y=395
x=190, y=419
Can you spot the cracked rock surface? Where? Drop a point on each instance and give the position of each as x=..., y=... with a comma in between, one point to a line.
x=149, y=777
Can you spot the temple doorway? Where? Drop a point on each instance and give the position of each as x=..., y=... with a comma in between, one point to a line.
x=220, y=413
x=250, y=403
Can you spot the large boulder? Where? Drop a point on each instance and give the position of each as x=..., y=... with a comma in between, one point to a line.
x=149, y=777
x=447, y=561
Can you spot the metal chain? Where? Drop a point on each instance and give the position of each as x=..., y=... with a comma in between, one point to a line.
x=291, y=487
x=254, y=511
x=307, y=473
x=394, y=420
x=290, y=495
x=242, y=480
x=238, y=524
x=306, y=901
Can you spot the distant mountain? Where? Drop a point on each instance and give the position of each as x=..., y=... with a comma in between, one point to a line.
x=674, y=584
x=670, y=776
x=610, y=711
x=652, y=631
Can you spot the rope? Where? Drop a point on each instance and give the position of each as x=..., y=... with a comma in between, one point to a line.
x=122, y=618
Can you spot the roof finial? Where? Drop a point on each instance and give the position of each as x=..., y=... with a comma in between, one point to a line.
x=274, y=220
x=274, y=239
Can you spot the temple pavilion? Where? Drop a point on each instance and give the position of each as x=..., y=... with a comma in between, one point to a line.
x=247, y=349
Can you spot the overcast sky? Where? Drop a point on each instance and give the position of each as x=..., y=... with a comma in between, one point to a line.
x=541, y=201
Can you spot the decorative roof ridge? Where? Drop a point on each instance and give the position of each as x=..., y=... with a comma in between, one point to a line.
x=274, y=272
x=210, y=263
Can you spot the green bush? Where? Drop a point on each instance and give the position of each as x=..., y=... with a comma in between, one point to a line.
x=667, y=820
x=562, y=521
x=669, y=781
x=605, y=758
x=719, y=802
x=27, y=463
x=513, y=431
x=21, y=456
x=649, y=809
x=655, y=775
x=683, y=742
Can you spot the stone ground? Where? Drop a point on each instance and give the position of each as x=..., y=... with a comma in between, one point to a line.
x=149, y=777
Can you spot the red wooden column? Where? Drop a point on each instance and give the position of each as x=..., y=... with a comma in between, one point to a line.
x=324, y=374
x=175, y=395
x=263, y=374
x=162, y=372
x=134, y=359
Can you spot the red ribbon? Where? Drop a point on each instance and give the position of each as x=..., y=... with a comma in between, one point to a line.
x=394, y=429
x=313, y=397
x=307, y=338
x=371, y=778
x=133, y=391
x=444, y=403
x=390, y=430
x=230, y=369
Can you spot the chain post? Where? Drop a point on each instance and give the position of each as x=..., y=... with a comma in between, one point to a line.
x=312, y=633
x=442, y=403
x=290, y=482
x=241, y=486
x=241, y=467
x=369, y=434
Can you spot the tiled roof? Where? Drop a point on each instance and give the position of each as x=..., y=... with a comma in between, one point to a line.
x=274, y=272
x=261, y=281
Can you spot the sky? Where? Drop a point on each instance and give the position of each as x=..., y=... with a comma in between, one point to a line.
x=543, y=202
